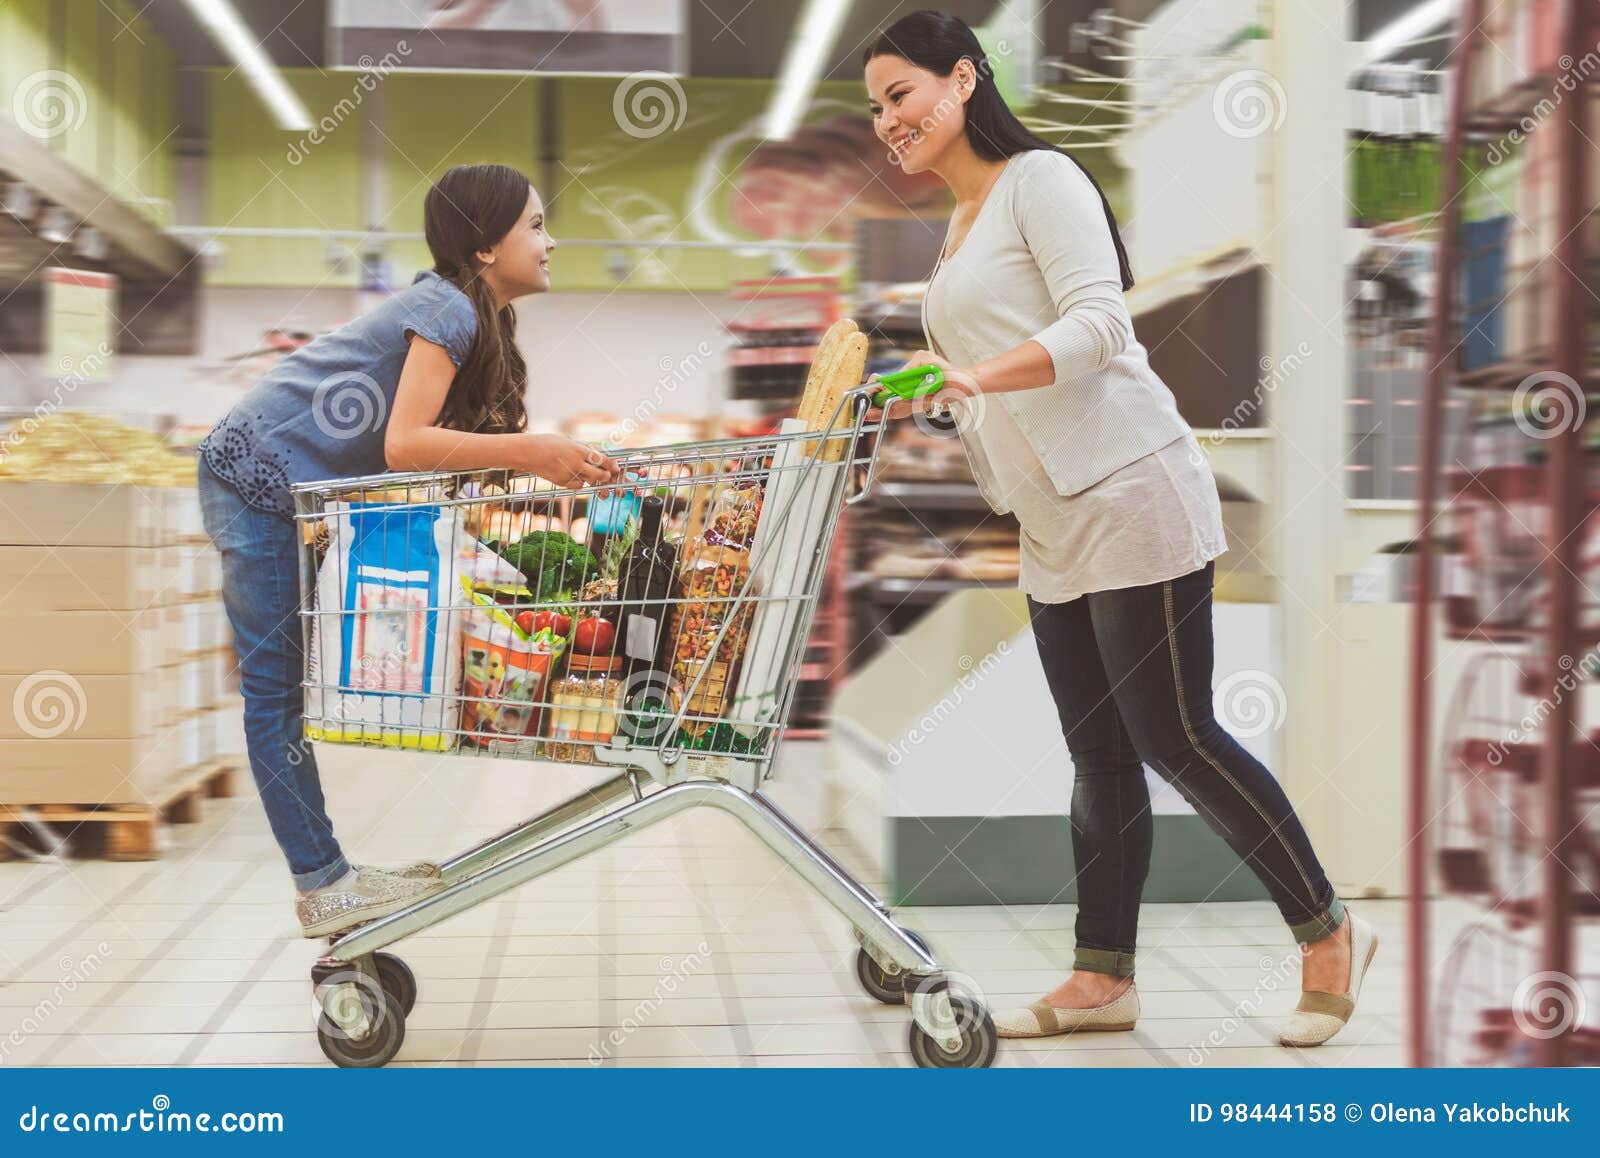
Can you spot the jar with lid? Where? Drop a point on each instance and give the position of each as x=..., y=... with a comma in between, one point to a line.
x=584, y=706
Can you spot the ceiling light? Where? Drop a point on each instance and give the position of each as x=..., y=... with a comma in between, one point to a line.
x=56, y=227
x=222, y=20
x=809, y=47
x=19, y=200
x=1398, y=33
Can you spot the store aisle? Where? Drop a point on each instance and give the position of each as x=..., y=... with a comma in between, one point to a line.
x=685, y=945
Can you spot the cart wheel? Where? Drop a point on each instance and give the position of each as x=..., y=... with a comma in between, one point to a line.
x=397, y=980
x=979, y=1041
x=383, y=1041
x=881, y=985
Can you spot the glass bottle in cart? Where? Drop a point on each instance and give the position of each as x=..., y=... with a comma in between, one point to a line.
x=649, y=571
x=583, y=708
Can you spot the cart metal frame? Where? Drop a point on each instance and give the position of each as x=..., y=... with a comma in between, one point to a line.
x=363, y=1004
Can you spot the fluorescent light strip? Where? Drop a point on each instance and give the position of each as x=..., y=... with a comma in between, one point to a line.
x=1422, y=19
x=811, y=44
x=221, y=19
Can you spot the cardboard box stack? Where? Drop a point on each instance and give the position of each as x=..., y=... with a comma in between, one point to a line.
x=111, y=677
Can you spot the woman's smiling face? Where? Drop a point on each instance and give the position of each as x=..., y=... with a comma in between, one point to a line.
x=915, y=112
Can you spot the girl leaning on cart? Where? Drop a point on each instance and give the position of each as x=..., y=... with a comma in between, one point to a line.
x=446, y=382
x=1068, y=428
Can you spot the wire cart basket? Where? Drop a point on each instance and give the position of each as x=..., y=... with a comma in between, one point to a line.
x=445, y=613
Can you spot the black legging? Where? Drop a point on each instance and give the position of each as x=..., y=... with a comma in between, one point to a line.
x=1130, y=671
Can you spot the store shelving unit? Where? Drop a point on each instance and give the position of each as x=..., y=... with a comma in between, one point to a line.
x=1502, y=815
x=938, y=498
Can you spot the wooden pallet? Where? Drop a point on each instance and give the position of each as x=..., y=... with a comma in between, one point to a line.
x=122, y=831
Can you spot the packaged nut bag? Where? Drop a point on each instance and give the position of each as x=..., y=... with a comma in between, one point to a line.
x=734, y=514
x=712, y=580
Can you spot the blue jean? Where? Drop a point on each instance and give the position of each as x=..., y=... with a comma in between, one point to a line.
x=1130, y=672
x=261, y=592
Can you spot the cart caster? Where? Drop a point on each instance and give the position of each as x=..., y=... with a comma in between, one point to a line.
x=960, y=1034
x=397, y=980
x=880, y=984
x=361, y=1024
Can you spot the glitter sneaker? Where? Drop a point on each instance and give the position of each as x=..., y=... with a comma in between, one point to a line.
x=342, y=906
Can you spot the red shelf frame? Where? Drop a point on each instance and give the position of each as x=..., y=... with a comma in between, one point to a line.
x=1564, y=493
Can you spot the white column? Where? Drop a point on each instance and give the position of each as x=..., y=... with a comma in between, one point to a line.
x=1305, y=217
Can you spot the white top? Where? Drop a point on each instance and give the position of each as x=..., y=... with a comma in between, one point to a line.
x=1150, y=517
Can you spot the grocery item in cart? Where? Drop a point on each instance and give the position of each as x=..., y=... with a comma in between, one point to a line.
x=584, y=705
x=734, y=514
x=384, y=665
x=505, y=675
x=710, y=628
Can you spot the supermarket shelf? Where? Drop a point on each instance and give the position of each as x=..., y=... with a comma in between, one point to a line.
x=960, y=496
x=1511, y=373
x=772, y=355
x=1511, y=108
x=925, y=590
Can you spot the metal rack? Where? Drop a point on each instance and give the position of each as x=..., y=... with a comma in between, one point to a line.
x=1514, y=570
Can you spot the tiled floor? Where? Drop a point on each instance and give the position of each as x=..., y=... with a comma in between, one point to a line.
x=686, y=944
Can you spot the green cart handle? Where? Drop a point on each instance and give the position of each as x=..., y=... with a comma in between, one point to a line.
x=913, y=382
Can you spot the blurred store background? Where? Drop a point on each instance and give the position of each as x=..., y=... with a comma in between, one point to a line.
x=191, y=189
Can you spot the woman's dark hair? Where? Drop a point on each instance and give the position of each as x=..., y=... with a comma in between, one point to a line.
x=470, y=208
x=937, y=42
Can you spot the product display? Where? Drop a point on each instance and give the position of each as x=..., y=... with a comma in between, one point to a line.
x=74, y=447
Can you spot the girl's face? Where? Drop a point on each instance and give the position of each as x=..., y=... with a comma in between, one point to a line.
x=519, y=263
x=917, y=113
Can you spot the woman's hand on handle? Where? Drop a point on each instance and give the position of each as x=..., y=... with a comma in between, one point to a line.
x=958, y=385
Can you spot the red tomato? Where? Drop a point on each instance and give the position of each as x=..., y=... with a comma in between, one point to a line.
x=553, y=622
x=525, y=621
x=595, y=636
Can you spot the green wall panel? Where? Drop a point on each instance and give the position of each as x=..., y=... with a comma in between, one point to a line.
x=260, y=175
x=24, y=42
x=83, y=55
x=431, y=122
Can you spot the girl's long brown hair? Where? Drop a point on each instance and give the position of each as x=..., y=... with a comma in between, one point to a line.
x=470, y=208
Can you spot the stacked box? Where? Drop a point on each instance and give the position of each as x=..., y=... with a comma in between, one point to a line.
x=85, y=624
x=203, y=649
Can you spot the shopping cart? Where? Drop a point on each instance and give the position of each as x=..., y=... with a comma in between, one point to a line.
x=449, y=612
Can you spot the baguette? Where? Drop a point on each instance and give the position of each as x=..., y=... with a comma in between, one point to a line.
x=846, y=376
x=821, y=362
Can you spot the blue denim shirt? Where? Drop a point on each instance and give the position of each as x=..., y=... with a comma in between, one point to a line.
x=321, y=412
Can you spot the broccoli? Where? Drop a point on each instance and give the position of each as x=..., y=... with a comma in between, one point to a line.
x=551, y=561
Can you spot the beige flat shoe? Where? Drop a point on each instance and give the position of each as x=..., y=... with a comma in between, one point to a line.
x=1041, y=1019
x=1321, y=1015
x=373, y=894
